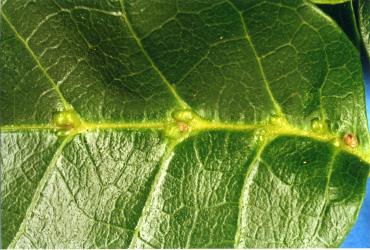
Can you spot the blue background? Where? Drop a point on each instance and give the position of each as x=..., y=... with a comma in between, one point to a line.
x=360, y=233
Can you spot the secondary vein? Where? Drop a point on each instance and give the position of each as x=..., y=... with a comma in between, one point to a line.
x=25, y=127
x=247, y=37
x=124, y=16
x=41, y=185
x=248, y=174
x=67, y=106
x=154, y=185
x=327, y=191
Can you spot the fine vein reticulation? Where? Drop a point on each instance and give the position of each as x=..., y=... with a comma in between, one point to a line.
x=200, y=125
x=53, y=84
x=177, y=131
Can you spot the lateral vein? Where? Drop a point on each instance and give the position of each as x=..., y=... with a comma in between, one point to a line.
x=67, y=105
x=156, y=181
x=41, y=185
x=247, y=37
x=124, y=16
x=249, y=171
x=327, y=191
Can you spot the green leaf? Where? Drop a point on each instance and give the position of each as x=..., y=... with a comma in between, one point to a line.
x=364, y=20
x=178, y=124
x=344, y=16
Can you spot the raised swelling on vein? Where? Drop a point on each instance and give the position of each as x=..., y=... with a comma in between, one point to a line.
x=185, y=123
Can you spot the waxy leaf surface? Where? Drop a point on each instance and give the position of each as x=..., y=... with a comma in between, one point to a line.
x=178, y=123
x=344, y=15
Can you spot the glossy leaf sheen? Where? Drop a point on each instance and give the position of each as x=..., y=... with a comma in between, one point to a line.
x=344, y=15
x=213, y=123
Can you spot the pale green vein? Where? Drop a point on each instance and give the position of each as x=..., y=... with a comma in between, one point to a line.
x=324, y=82
x=90, y=217
x=25, y=127
x=85, y=126
x=182, y=103
x=327, y=190
x=248, y=174
x=249, y=40
x=67, y=106
x=107, y=125
x=330, y=1
x=105, y=12
x=197, y=125
x=192, y=229
x=159, y=175
x=41, y=185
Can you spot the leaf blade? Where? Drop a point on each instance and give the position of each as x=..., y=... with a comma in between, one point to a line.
x=18, y=160
x=230, y=91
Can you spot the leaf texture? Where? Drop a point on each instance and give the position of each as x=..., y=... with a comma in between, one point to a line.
x=344, y=15
x=178, y=124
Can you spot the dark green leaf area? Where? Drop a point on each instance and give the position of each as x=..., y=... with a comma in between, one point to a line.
x=103, y=76
x=344, y=15
x=26, y=95
x=284, y=57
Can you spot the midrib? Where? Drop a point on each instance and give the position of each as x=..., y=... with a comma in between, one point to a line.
x=271, y=130
x=268, y=130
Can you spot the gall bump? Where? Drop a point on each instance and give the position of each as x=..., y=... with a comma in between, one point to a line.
x=350, y=140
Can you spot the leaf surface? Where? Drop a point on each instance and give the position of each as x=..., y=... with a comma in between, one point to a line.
x=178, y=124
x=344, y=15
